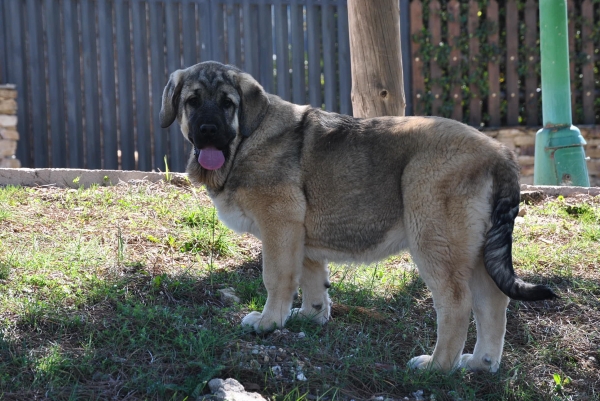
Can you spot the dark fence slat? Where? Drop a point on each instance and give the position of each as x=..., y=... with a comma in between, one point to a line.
x=531, y=79
x=36, y=140
x=217, y=34
x=234, y=49
x=265, y=47
x=143, y=131
x=455, y=59
x=345, y=73
x=251, y=56
x=93, y=152
x=405, y=47
x=55, y=77
x=178, y=157
x=189, y=34
x=126, y=111
x=418, y=81
x=313, y=23
x=107, y=84
x=157, y=66
x=72, y=84
x=587, y=70
x=3, y=45
x=329, y=35
x=512, y=63
x=282, y=52
x=298, y=75
x=435, y=72
x=205, y=17
x=475, y=101
x=493, y=67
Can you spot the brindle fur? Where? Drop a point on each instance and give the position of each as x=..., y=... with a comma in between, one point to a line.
x=317, y=187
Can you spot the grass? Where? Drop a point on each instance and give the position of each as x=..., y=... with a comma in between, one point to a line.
x=112, y=293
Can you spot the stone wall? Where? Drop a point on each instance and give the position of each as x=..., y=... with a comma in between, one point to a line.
x=8, y=126
x=522, y=141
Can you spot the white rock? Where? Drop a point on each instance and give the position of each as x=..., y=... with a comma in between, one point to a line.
x=231, y=390
x=228, y=295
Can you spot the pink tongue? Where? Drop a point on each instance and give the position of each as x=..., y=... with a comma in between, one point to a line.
x=211, y=158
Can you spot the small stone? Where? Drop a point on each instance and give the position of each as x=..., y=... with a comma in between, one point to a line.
x=231, y=390
x=300, y=376
x=301, y=334
x=532, y=197
x=228, y=295
x=276, y=370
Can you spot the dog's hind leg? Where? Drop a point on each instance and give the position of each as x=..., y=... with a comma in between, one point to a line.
x=314, y=283
x=452, y=302
x=489, y=306
x=444, y=258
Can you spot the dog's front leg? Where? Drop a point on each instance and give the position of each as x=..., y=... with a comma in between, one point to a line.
x=283, y=252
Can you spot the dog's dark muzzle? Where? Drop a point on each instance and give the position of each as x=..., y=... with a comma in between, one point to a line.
x=208, y=131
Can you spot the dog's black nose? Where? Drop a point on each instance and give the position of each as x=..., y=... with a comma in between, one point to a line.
x=208, y=129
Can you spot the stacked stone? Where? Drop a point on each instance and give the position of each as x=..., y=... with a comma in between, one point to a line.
x=8, y=126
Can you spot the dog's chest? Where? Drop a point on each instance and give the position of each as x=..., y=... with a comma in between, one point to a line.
x=234, y=217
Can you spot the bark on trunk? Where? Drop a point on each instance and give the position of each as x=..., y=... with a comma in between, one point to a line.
x=376, y=59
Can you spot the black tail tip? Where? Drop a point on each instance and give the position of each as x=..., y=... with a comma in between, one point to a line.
x=537, y=293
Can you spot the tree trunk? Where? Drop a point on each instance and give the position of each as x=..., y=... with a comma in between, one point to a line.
x=376, y=59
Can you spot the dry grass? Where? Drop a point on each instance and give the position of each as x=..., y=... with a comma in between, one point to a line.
x=112, y=293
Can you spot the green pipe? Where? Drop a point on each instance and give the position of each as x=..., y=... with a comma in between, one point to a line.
x=559, y=153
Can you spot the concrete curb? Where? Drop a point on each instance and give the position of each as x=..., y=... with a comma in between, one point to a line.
x=564, y=191
x=75, y=178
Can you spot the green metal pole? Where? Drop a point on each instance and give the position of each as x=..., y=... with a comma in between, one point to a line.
x=559, y=153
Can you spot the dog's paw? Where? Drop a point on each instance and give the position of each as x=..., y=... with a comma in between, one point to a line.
x=319, y=316
x=421, y=362
x=483, y=364
x=261, y=323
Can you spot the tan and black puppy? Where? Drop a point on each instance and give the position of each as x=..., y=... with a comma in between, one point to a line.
x=317, y=187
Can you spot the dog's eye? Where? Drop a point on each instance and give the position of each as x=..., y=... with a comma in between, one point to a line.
x=193, y=102
x=226, y=104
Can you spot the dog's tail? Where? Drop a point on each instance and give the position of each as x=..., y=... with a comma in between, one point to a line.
x=497, y=250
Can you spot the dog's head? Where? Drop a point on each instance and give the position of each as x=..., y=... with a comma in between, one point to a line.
x=214, y=104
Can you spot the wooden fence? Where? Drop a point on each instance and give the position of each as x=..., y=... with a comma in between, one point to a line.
x=478, y=61
x=90, y=73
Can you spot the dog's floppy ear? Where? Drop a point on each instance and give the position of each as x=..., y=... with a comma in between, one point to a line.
x=170, y=99
x=254, y=104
